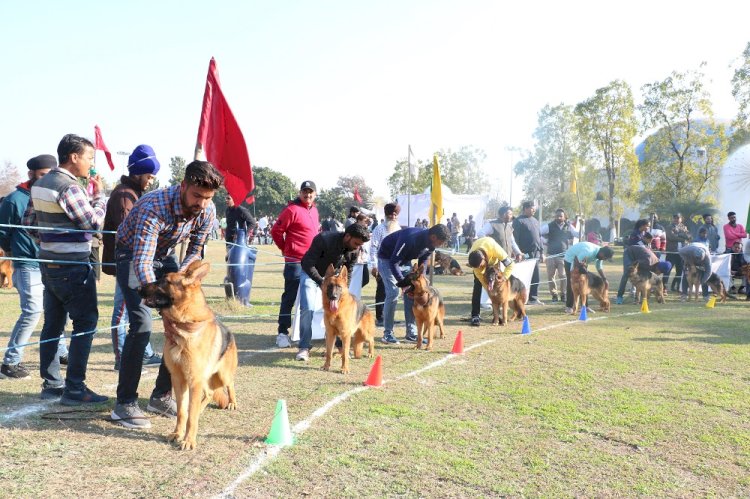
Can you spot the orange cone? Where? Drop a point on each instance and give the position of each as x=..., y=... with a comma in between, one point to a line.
x=375, y=378
x=458, y=345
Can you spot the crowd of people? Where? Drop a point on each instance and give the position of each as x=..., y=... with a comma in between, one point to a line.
x=61, y=206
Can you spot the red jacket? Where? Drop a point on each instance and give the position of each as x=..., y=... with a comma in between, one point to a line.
x=295, y=229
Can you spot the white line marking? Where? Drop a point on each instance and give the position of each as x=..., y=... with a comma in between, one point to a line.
x=271, y=451
x=27, y=410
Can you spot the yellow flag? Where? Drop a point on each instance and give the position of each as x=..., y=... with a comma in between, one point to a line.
x=573, y=186
x=436, y=198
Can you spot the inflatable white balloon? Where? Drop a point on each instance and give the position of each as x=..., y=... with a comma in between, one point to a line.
x=734, y=189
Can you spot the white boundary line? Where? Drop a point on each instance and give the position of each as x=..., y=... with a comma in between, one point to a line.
x=271, y=451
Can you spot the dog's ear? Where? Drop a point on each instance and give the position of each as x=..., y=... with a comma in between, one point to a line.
x=344, y=273
x=196, y=271
x=415, y=268
x=419, y=270
x=330, y=271
x=575, y=260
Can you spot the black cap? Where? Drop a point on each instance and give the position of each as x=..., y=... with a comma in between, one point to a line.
x=308, y=184
x=41, y=162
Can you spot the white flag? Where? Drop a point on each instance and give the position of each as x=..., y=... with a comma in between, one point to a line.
x=412, y=164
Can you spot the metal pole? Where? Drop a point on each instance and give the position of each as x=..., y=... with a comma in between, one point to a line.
x=408, y=187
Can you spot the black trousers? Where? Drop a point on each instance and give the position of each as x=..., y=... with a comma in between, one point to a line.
x=476, y=297
x=379, y=298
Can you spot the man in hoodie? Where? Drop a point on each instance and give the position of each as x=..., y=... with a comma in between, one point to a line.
x=27, y=277
x=293, y=233
x=142, y=169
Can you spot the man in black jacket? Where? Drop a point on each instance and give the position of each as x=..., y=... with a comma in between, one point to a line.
x=330, y=248
x=527, y=233
x=238, y=216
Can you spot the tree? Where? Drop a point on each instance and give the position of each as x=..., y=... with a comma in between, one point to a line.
x=273, y=190
x=349, y=184
x=460, y=170
x=9, y=178
x=741, y=93
x=177, y=167
x=683, y=158
x=551, y=168
x=606, y=124
x=333, y=202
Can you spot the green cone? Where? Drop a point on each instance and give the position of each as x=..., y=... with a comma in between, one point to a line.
x=281, y=433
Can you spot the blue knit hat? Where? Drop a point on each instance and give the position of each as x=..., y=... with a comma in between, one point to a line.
x=664, y=267
x=143, y=160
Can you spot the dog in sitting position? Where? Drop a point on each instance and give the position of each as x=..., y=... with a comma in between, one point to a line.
x=505, y=293
x=428, y=307
x=645, y=282
x=200, y=353
x=448, y=264
x=6, y=272
x=346, y=318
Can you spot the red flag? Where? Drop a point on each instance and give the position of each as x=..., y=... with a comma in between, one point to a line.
x=250, y=199
x=220, y=138
x=100, y=146
x=357, y=197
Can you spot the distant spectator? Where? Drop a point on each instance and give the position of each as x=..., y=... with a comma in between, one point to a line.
x=353, y=213
x=529, y=238
x=733, y=231
x=712, y=232
x=501, y=230
x=677, y=237
x=238, y=216
x=388, y=226
x=559, y=234
x=470, y=232
x=455, y=229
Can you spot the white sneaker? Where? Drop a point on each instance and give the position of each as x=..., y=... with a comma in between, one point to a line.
x=303, y=355
x=282, y=340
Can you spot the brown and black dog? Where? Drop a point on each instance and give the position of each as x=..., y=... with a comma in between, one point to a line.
x=199, y=351
x=717, y=287
x=448, y=264
x=645, y=282
x=346, y=318
x=714, y=283
x=428, y=307
x=583, y=283
x=694, y=282
x=505, y=293
x=6, y=272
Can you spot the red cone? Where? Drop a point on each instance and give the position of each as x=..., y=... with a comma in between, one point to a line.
x=375, y=378
x=458, y=345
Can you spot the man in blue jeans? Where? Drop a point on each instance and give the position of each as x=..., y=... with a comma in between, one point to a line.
x=27, y=277
x=144, y=252
x=60, y=203
x=398, y=250
x=331, y=248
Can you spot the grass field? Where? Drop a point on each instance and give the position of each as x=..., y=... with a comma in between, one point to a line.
x=625, y=404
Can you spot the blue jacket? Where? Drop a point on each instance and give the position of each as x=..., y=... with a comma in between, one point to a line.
x=16, y=241
x=403, y=246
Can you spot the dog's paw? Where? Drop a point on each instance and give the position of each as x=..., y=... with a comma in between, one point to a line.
x=232, y=406
x=188, y=444
x=344, y=371
x=326, y=368
x=175, y=437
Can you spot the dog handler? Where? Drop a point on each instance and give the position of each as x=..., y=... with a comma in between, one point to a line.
x=589, y=252
x=698, y=255
x=485, y=252
x=144, y=252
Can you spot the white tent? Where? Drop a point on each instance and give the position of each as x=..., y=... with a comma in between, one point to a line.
x=734, y=188
x=462, y=205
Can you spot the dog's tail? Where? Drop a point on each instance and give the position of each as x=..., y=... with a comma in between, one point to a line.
x=221, y=397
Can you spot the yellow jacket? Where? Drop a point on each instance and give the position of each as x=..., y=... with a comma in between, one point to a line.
x=495, y=254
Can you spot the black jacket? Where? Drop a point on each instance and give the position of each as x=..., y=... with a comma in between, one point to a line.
x=239, y=215
x=326, y=249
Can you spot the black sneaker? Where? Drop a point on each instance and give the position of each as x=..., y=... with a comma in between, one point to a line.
x=49, y=393
x=410, y=338
x=17, y=371
x=475, y=321
x=79, y=397
x=379, y=323
x=154, y=360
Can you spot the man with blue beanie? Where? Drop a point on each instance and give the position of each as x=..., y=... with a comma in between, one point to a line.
x=142, y=169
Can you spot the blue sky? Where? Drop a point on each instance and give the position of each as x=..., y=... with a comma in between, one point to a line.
x=331, y=88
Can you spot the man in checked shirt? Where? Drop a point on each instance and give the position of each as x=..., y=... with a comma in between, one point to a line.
x=144, y=252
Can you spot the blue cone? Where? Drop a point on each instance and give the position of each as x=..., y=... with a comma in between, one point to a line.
x=584, y=315
x=526, y=329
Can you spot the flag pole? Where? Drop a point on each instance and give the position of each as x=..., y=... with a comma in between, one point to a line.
x=408, y=187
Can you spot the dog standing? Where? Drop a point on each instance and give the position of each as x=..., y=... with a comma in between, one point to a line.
x=583, y=283
x=717, y=287
x=505, y=293
x=345, y=317
x=428, y=308
x=200, y=353
x=6, y=272
x=694, y=282
x=645, y=281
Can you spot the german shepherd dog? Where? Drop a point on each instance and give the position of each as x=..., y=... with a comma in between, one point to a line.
x=645, y=281
x=199, y=351
x=6, y=272
x=583, y=283
x=693, y=279
x=717, y=287
x=428, y=307
x=345, y=317
x=448, y=264
x=505, y=293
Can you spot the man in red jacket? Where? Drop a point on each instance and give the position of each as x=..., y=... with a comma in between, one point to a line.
x=293, y=233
